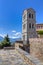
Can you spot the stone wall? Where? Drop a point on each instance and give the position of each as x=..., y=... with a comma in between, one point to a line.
x=36, y=47
x=17, y=44
x=28, y=58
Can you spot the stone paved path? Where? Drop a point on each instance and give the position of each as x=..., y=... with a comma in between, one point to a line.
x=10, y=57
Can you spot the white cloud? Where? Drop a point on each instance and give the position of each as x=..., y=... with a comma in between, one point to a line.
x=13, y=35
x=3, y=35
x=16, y=35
x=13, y=31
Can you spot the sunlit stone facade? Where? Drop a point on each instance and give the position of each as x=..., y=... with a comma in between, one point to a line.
x=39, y=27
x=28, y=25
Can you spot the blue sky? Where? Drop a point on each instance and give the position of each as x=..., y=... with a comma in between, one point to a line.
x=11, y=15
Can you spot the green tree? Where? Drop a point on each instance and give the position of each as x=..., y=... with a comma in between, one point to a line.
x=0, y=46
x=40, y=32
x=6, y=42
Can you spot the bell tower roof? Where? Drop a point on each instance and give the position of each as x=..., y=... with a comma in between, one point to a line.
x=31, y=9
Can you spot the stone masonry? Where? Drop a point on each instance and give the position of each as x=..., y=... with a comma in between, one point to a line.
x=28, y=25
x=36, y=48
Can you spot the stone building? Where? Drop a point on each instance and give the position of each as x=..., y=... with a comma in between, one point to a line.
x=28, y=25
x=39, y=27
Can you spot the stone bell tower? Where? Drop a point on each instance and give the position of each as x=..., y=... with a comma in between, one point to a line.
x=28, y=25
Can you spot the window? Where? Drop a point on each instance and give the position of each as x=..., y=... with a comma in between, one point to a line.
x=39, y=26
x=24, y=37
x=32, y=15
x=29, y=15
x=24, y=17
x=29, y=25
x=32, y=25
x=24, y=26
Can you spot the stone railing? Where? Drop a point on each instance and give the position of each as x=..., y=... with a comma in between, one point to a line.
x=9, y=48
x=28, y=58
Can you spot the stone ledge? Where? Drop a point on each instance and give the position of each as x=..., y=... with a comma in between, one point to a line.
x=8, y=48
x=28, y=58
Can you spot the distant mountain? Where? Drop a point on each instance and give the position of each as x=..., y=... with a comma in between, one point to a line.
x=11, y=39
x=1, y=38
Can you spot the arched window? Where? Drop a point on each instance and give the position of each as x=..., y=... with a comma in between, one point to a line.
x=24, y=26
x=32, y=25
x=24, y=37
x=29, y=25
x=29, y=15
x=32, y=15
x=24, y=16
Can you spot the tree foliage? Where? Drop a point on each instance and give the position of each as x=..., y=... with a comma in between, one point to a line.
x=40, y=32
x=6, y=42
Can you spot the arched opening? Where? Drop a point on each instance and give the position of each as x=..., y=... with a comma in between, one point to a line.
x=29, y=25
x=29, y=15
x=32, y=25
x=32, y=15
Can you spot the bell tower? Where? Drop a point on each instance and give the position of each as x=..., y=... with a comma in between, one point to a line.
x=28, y=25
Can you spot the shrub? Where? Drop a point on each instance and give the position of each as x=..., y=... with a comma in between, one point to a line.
x=40, y=32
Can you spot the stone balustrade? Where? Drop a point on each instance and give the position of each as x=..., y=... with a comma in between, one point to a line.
x=8, y=48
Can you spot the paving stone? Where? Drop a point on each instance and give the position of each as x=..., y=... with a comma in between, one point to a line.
x=10, y=57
